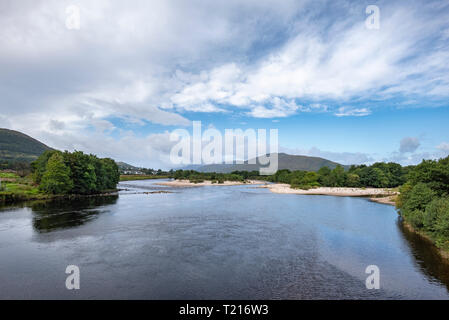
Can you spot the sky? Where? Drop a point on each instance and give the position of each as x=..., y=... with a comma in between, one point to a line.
x=120, y=79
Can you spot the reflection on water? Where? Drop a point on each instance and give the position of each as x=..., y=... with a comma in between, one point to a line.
x=427, y=256
x=215, y=242
x=60, y=214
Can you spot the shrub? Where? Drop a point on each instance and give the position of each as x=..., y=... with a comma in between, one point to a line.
x=417, y=197
x=437, y=220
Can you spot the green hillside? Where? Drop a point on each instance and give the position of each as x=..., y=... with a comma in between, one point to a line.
x=16, y=147
x=285, y=161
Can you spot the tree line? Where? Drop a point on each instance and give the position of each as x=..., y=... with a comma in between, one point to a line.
x=378, y=175
x=424, y=200
x=197, y=177
x=66, y=172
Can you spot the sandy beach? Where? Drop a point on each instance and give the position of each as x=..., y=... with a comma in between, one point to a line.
x=331, y=191
x=379, y=195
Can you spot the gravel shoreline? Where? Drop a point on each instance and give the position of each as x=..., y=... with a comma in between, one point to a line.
x=380, y=195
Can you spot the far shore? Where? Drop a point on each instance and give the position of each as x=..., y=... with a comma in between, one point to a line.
x=187, y=183
x=380, y=195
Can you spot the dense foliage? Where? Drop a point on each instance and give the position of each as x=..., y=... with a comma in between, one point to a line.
x=197, y=177
x=378, y=175
x=424, y=200
x=74, y=173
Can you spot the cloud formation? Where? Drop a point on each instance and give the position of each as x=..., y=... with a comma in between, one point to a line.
x=355, y=112
x=444, y=147
x=409, y=144
x=164, y=62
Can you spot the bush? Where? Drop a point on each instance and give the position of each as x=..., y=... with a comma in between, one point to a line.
x=436, y=221
x=435, y=214
x=417, y=198
x=415, y=218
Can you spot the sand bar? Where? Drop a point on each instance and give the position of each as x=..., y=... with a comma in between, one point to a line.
x=380, y=195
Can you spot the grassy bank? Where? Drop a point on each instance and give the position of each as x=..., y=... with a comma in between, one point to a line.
x=129, y=177
x=16, y=189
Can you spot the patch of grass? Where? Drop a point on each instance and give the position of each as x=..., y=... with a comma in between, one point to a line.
x=14, y=188
x=26, y=189
x=8, y=175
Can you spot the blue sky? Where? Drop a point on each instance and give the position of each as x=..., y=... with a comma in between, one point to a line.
x=133, y=72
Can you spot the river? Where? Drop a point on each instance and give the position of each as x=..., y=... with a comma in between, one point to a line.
x=213, y=242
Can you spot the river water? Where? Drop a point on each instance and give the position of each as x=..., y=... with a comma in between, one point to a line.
x=214, y=242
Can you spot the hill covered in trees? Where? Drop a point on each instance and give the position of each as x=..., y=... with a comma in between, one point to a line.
x=285, y=161
x=18, y=147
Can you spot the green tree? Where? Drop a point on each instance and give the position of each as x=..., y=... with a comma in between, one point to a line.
x=82, y=172
x=311, y=179
x=338, y=177
x=353, y=180
x=324, y=176
x=436, y=218
x=414, y=201
x=40, y=165
x=56, y=179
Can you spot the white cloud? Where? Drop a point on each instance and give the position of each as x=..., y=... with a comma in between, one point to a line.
x=153, y=149
x=444, y=147
x=344, y=62
x=279, y=108
x=151, y=61
x=203, y=57
x=354, y=112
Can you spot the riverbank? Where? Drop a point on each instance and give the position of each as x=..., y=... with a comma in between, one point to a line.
x=443, y=253
x=390, y=200
x=188, y=183
x=8, y=198
x=15, y=189
x=380, y=195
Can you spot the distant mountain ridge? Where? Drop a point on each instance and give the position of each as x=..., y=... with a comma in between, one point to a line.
x=17, y=147
x=285, y=161
x=126, y=166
